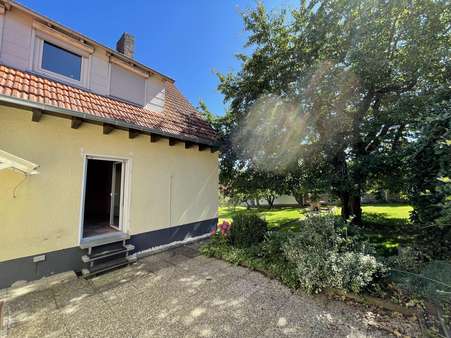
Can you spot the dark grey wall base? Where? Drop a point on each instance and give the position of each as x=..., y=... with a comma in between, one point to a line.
x=25, y=269
x=147, y=240
x=70, y=259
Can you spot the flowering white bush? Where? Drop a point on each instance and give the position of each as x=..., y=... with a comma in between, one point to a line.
x=325, y=259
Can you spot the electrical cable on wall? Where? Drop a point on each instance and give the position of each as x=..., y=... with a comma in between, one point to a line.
x=20, y=183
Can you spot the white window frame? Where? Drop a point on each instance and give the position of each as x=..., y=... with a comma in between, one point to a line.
x=39, y=49
x=42, y=33
x=125, y=188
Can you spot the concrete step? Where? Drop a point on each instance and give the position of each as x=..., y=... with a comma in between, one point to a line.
x=91, y=242
x=107, y=253
x=110, y=265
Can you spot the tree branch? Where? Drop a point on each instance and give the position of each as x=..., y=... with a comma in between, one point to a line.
x=396, y=141
x=377, y=139
x=400, y=88
x=357, y=142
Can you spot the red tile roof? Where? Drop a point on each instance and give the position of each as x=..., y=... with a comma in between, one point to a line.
x=178, y=118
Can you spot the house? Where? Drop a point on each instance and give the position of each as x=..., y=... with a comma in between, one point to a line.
x=101, y=157
x=280, y=201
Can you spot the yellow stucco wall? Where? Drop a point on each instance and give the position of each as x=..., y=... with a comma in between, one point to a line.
x=169, y=185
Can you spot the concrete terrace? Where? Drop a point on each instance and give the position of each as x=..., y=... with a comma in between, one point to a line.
x=179, y=293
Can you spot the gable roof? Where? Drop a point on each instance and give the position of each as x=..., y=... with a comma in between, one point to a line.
x=178, y=119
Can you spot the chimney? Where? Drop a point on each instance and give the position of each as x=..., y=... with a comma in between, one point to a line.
x=126, y=45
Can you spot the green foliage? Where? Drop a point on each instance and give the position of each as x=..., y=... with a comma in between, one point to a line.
x=215, y=246
x=317, y=257
x=277, y=218
x=430, y=166
x=275, y=260
x=385, y=233
x=352, y=82
x=273, y=243
x=324, y=258
x=220, y=247
x=432, y=281
x=407, y=259
x=267, y=255
x=247, y=230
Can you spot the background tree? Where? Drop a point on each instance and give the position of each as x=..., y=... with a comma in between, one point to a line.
x=429, y=166
x=354, y=75
x=309, y=175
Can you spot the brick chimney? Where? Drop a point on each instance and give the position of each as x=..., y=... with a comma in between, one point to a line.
x=126, y=45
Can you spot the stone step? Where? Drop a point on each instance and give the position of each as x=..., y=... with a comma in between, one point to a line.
x=110, y=265
x=107, y=253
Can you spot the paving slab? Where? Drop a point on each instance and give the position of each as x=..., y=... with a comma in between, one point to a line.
x=72, y=292
x=50, y=325
x=187, y=251
x=120, y=276
x=25, y=307
x=179, y=293
x=95, y=318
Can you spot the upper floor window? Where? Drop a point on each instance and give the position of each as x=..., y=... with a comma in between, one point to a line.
x=60, y=56
x=61, y=61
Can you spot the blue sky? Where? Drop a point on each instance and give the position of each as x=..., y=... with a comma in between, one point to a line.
x=185, y=39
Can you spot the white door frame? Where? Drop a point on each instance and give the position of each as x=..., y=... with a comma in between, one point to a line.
x=125, y=189
x=113, y=195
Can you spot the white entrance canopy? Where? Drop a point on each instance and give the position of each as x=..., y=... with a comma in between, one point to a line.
x=10, y=161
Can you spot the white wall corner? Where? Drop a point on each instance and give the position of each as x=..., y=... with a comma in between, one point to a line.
x=155, y=94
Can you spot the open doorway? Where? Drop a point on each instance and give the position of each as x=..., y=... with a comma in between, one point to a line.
x=103, y=199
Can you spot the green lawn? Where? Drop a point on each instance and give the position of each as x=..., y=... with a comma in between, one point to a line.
x=280, y=216
x=390, y=211
x=275, y=217
x=386, y=225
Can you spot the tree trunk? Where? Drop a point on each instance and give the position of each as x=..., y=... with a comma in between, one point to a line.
x=356, y=206
x=304, y=199
x=257, y=202
x=299, y=197
x=270, y=200
x=345, y=207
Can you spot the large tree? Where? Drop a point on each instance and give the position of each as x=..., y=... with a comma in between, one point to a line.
x=347, y=78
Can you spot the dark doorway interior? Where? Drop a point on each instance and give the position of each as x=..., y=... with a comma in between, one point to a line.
x=102, y=197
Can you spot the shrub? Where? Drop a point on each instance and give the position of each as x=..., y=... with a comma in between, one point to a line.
x=407, y=259
x=247, y=229
x=326, y=259
x=275, y=260
x=432, y=281
x=215, y=247
x=353, y=271
x=273, y=244
x=219, y=247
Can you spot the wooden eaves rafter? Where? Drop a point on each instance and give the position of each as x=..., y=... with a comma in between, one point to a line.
x=107, y=128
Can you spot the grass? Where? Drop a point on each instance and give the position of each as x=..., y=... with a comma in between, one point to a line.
x=386, y=226
x=389, y=211
x=276, y=218
x=279, y=216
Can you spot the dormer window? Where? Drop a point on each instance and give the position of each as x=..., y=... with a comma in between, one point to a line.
x=61, y=61
x=60, y=56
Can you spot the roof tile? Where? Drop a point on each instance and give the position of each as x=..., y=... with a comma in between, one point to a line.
x=179, y=118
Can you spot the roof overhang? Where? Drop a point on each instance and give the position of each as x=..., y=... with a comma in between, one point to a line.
x=10, y=161
x=11, y=100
